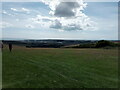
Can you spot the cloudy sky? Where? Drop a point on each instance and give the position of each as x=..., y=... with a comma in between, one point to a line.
x=60, y=20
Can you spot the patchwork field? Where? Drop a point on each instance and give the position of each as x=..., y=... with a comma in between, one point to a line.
x=60, y=68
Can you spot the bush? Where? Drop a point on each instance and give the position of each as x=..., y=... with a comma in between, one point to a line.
x=104, y=43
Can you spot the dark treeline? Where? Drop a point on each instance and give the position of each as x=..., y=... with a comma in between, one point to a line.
x=99, y=44
x=64, y=43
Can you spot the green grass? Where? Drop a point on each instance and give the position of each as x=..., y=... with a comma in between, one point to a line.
x=60, y=68
x=0, y=69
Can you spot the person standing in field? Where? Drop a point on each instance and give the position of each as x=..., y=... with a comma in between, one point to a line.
x=1, y=46
x=10, y=47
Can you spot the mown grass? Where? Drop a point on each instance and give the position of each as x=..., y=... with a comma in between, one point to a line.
x=60, y=68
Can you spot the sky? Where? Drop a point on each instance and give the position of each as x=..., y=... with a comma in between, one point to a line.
x=60, y=20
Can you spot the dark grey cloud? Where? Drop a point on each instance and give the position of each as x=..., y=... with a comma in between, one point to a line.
x=65, y=9
x=56, y=24
x=69, y=27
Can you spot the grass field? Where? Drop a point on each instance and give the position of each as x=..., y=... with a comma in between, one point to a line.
x=60, y=68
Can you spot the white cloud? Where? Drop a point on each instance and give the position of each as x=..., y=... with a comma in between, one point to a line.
x=68, y=15
x=5, y=25
x=42, y=21
x=13, y=9
x=4, y=12
x=25, y=10
x=21, y=10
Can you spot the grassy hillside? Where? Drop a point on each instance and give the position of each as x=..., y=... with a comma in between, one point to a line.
x=60, y=68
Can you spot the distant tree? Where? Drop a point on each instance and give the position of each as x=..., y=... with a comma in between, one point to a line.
x=104, y=43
